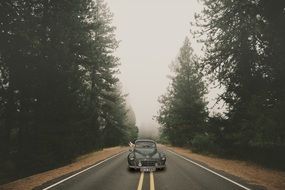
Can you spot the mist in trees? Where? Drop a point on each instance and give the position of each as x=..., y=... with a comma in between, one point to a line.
x=59, y=93
x=243, y=53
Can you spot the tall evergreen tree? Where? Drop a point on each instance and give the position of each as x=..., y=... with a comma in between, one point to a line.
x=244, y=53
x=183, y=109
x=58, y=83
x=272, y=17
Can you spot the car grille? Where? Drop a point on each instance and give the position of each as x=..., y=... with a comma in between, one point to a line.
x=148, y=163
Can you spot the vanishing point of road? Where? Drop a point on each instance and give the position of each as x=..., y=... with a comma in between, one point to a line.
x=181, y=173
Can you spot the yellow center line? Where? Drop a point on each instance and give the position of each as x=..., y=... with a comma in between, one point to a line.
x=151, y=181
x=141, y=181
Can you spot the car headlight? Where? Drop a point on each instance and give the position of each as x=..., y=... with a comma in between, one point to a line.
x=163, y=158
x=132, y=158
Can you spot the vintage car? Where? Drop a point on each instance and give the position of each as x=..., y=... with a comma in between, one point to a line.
x=145, y=156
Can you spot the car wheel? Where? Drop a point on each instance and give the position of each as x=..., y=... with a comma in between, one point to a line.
x=131, y=169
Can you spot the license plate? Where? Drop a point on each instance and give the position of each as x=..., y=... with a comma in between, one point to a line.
x=147, y=169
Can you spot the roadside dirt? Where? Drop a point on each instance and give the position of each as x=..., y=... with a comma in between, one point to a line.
x=81, y=162
x=254, y=174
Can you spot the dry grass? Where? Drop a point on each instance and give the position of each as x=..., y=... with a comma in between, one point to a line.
x=81, y=162
x=271, y=179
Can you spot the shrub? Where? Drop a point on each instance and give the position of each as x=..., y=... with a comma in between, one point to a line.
x=203, y=143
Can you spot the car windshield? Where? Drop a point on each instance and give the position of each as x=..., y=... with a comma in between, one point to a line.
x=145, y=145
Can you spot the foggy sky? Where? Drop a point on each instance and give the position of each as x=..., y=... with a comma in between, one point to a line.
x=151, y=33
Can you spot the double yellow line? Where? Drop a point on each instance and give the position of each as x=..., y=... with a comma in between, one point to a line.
x=151, y=181
x=151, y=184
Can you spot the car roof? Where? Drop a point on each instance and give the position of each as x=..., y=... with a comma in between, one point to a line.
x=144, y=140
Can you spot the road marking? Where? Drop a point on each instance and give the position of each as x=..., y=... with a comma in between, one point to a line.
x=236, y=183
x=141, y=181
x=151, y=181
x=99, y=163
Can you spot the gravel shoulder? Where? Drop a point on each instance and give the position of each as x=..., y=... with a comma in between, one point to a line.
x=254, y=174
x=81, y=162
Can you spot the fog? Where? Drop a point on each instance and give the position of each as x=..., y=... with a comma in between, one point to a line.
x=150, y=33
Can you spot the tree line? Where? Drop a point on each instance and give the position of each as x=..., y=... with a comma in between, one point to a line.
x=59, y=92
x=244, y=48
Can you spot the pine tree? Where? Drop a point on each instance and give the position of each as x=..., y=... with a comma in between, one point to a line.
x=58, y=83
x=272, y=17
x=232, y=57
x=183, y=109
x=244, y=52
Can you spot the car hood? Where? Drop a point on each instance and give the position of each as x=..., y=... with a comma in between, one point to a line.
x=146, y=154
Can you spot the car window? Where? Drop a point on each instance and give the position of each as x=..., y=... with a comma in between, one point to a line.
x=143, y=144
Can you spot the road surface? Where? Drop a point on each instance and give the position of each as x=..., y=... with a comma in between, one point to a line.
x=180, y=174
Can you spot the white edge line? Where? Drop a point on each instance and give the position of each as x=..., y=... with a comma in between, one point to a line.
x=90, y=167
x=238, y=184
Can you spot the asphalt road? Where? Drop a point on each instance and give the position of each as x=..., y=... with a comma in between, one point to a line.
x=180, y=174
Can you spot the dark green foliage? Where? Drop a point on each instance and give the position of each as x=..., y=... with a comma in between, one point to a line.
x=59, y=95
x=183, y=109
x=203, y=143
x=242, y=55
x=245, y=54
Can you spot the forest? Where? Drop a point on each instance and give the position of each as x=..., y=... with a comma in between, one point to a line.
x=60, y=95
x=244, y=55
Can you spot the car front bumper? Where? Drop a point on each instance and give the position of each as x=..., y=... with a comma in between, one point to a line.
x=141, y=164
x=142, y=167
